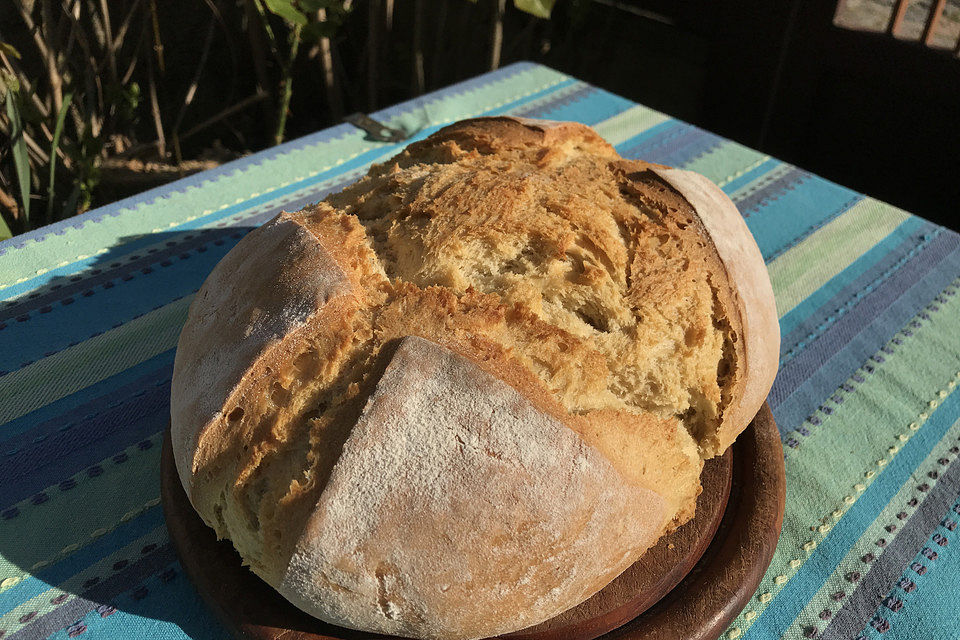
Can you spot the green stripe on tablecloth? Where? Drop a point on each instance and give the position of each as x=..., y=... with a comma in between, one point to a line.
x=629, y=123
x=897, y=394
x=284, y=168
x=727, y=162
x=91, y=361
x=809, y=265
x=54, y=534
x=867, y=542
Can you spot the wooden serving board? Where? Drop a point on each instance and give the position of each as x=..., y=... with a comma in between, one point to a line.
x=689, y=586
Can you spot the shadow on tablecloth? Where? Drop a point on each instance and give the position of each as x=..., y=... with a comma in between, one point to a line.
x=84, y=543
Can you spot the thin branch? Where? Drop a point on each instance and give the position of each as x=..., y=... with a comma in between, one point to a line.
x=134, y=58
x=36, y=151
x=257, y=48
x=157, y=43
x=14, y=68
x=53, y=73
x=226, y=113
x=286, y=86
x=155, y=109
x=10, y=204
x=418, y=83
x=34, y=32
x=496, y=34
x=110, y=47
x=231, y=48
x=330, y=84
x=125, y=25
x=192, y=89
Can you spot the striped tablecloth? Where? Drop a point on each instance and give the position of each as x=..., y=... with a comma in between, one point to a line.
x=865, y=398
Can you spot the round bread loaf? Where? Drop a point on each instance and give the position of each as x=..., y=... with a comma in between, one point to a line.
x=462, y=395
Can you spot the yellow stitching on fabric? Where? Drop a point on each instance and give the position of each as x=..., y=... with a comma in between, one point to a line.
x=310, y=175
x=734, y=633
x=11, y=581
x=741, y=172
x=859, y=487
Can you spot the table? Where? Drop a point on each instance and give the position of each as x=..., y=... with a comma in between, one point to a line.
x=865, y=398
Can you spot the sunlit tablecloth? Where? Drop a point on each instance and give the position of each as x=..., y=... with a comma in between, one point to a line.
x=865, y=398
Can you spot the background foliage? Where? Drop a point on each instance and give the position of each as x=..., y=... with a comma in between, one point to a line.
x=105, y=98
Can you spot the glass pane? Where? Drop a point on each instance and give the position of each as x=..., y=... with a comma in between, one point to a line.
x=864, y=15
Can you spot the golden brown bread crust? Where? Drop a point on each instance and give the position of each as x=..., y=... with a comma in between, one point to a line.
x=577, y=293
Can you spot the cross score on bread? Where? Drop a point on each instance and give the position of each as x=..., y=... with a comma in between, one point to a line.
x=465, y=393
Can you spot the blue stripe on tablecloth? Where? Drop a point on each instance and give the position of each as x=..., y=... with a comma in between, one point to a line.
x=131, y=576
x=575, y=94
x=667, y=138
x=51, y=576
x=859, y=607
x=167, y=607
x=797, y=592
x=917, y=619
x=810, y=312
x=91, y=399
x=102, y=419
x=750, y=202
x=777, y=225
x=806, y=381
x=325, y=135
x=880, y=286
x=683, y=149
x=589, y=107
x=23, y=475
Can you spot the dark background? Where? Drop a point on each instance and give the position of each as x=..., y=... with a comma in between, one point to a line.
x=868, y=110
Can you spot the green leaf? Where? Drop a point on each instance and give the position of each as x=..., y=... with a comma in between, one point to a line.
x=539, y=8
x=286, y=9
x=61, y=116
x=10, y=50
x=21, y=161
x=4, y=230
x=316, y=30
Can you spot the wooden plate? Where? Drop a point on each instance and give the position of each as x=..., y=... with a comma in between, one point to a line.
x=690, y=586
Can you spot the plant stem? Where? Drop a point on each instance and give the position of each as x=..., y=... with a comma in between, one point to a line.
x=53, y=74
x=157, y=43
x=192, y=89
x=496, y=34
x=286, y=85
x=334, y=96
x=108, y=39
x=418, y=82
x=155, y=109
x=258, y=49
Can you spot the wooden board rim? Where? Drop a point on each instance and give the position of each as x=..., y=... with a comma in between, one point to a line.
x=701, y=601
